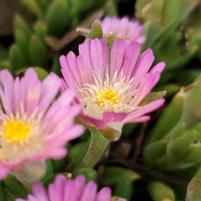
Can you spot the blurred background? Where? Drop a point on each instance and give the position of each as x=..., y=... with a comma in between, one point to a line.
x=48, y=26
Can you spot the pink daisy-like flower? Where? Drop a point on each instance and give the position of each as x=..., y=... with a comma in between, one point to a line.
x=123, y=28
x=33, y=126
x=111, y=85
x=64, y=189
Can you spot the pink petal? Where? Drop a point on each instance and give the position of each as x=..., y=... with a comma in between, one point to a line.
x=89, y=193
x=79, y=184
x=138, y=119
x=145, y=109
x=56, y=189
x=84, y=52
x=50, y=88
x=117, y=56
x=130, y=58
x=66, y=72
x=73, y=68
x=33, y=96
x=17, y=94
x=145, y=87
x=3, y=172
x=39, y=192
x=143, y=65
x=99, y=56
x=158, y=67
x=141, y=40
x=6, y=90
x=19, y=199
x=104, y=194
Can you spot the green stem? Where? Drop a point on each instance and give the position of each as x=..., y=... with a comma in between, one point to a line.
x=97, y=146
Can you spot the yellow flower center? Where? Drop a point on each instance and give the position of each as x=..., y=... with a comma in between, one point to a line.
x=16, y=131
x=107, y=97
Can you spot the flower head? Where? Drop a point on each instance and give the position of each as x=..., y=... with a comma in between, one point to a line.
x=64, y=189
x=123, y=28
x=111, y=85
x=34, y=126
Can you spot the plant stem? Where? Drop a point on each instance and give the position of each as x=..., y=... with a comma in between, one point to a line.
x=96, y=148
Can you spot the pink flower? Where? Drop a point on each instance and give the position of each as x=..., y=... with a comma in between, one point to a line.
x=34, y=127
x=111, y=85
x=123, y=28
x=64, y=189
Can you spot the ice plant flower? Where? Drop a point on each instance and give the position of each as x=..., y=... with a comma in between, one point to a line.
x=63, y=189
x=111, y=85
x=123, y=28
x=33, y=125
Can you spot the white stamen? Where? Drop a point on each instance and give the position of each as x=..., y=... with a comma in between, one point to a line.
x=120, y=95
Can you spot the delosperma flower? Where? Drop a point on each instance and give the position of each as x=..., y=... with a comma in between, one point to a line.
x=111, y=85
x=63, y=189
x=34, y=126
x=123, y=28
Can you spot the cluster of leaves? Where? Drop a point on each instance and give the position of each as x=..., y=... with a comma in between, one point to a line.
x=173, y=31
x=53, y=18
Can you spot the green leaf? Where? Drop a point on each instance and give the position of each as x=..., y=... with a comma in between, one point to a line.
x=193, y=189
x=172, y=10
x=15, y=187
x=81, y=8
x=161, y=192
x=38, y=52
x=16, y=57
x=128, y=129
x=5, y=64
x=193, y=31
x=77, y=152
x=89, y=173
x=153, y=96
x=178, y=148
x=192, y=104
x=44, y=4
x=2, y=192
x=33, y=7
x=49, y=175
x=171, y=89
x=149, y=10
x=124, y=188
x=192, y=157
x=40, y=30
x=42, y=73
x=154, y=151
x=22, y=26
x=23, y=43
x=169, y=117
x=57, y=17
x=187, y=76
x=55, y=65
x=112, y=175
x=121, y=179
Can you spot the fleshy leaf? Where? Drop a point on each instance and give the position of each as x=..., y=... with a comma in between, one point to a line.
x=161, y=192
x=38, y=52
x=193, y=189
